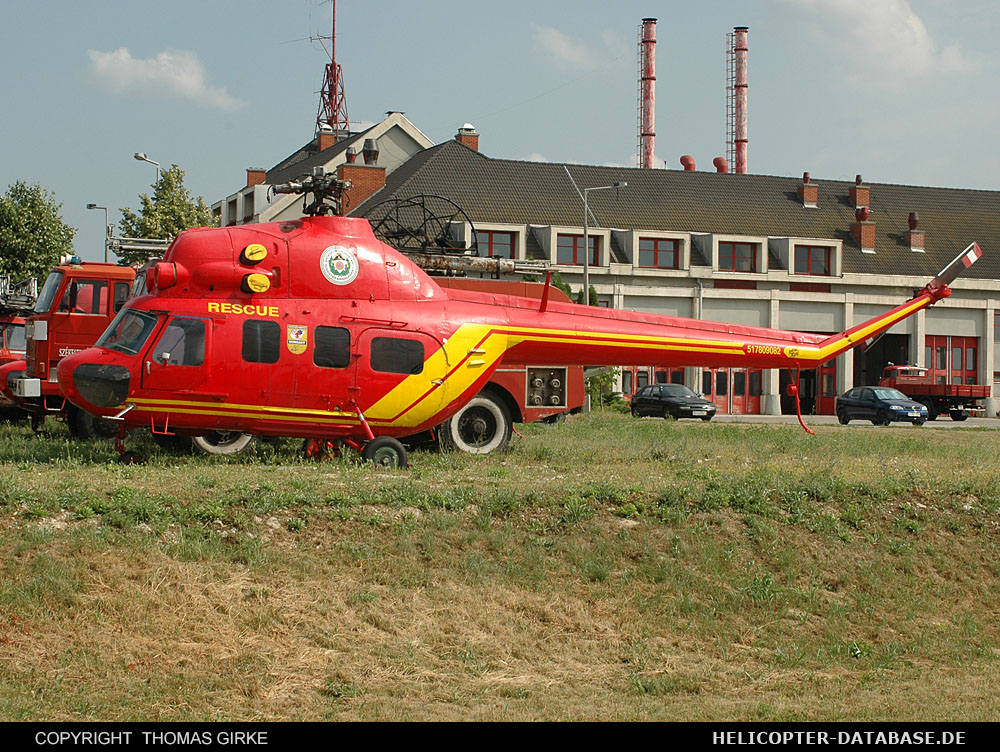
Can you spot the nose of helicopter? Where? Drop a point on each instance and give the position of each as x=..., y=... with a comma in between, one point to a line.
x=89, y=380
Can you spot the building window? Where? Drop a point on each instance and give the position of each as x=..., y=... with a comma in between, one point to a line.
x=261, y=341
x=569, y=249
x=812, y=259
x=626, y=382
x=809, y=287
x=333, y=347
x=658, y=253
x=735, y=284
x=395, y=355
x=738, y=257
x=495, y=244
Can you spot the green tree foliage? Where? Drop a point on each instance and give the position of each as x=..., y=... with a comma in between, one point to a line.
x=169, y=210
x=601, y=385
x=593, y=296
x=32, y=233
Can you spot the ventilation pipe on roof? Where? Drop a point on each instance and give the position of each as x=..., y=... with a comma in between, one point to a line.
x=351, y=155
x=721, y=164
x=370, y=151
x=687, y=162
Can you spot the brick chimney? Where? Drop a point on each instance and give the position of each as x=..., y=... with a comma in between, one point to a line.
x=325, y=138
x=468, y=136
x=255, y=176
x=915, y=238
x=863, y=230
x=365, y=179
x=808, y=192
x=859, y=193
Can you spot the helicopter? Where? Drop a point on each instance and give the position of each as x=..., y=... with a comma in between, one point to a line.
x=314, y=328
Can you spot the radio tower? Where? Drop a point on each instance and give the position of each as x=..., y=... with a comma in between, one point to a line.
x=332, y=101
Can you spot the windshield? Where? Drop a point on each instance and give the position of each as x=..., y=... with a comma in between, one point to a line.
x=14, y=335
x=48, y=294
x=129, y=331
x=677, y=390
x=889, y=394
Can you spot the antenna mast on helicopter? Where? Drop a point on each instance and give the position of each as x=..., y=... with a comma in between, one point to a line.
x=332, y=112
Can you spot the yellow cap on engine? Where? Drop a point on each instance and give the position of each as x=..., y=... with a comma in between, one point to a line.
x=256, y=283
x=253, y=254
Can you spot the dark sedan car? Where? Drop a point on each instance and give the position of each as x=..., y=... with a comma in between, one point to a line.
x=881, y=405
x=671, y=400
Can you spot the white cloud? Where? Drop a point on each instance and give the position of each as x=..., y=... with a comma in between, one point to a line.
x=536, y=157
x=565, y=52
x=888, y=33
x=179, y=72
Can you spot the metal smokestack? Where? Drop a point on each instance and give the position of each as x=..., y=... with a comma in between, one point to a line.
x=647, y=83
x=741, y=98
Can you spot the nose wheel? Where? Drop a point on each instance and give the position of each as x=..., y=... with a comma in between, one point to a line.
x=386, y=452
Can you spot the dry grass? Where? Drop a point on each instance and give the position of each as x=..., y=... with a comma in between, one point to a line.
x=603, y=569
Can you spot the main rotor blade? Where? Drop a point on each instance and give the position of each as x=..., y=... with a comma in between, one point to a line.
x=959, y=264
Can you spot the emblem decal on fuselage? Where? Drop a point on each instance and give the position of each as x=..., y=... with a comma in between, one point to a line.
x=298, y=338
x=339, y=265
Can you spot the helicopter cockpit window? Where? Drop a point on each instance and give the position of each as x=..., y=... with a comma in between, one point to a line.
x=393, y=355
x=129, y=331
x=261, y=341
x=85, y=296
x=333, y=347
x=181, y=344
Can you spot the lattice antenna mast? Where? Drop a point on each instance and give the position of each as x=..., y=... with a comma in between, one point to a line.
x=332, y=100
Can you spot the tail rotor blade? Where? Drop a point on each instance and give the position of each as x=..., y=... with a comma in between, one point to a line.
x=959, y=264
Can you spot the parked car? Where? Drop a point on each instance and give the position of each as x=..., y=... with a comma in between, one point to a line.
x=881, y=405
x=671, y=400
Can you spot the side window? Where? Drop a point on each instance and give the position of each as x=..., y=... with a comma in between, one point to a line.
x=395, y=355
x=706, y=382
x=121, y=295
x=85, y=296
x=261, y=341
x=641, y=378
x=868, y=395
x=182, y=343
x=333, y=347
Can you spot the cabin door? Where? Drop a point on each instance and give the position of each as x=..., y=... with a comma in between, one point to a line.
x=178, y=360
x=746, y=389
x=402, y=378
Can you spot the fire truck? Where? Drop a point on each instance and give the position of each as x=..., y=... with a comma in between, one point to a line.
x=957, y=400
x=73, y=308
x=16, y=302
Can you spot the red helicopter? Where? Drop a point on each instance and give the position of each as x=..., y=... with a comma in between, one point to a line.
x=314, y=328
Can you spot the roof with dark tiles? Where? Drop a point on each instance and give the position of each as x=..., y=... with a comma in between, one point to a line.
x=518, y=192
x=302, y=161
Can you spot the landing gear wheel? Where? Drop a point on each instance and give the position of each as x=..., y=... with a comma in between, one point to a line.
x=223, y=442
x=842, y=417
x=481, y=427
x=386, y=452
x=959, y=415
x=881, y=418
x=83, y=425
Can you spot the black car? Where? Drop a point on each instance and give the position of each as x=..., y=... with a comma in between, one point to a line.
x=881, y=405
x=671, y=400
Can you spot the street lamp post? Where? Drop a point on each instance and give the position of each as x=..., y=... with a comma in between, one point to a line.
x=586, y=239
x=140, y=156
x=107, y=228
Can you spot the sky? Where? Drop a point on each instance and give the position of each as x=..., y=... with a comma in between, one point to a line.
x=900, y=91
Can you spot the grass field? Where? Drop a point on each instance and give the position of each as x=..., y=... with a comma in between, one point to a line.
x=604, y=568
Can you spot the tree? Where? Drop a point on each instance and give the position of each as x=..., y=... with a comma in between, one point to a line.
x=170, y=210
x=594, y=300
x=32, y=233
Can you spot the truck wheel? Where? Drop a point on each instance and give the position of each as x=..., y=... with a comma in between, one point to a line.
x=932, y=412
x=481, y=427
x=386, y=453
x=959, y=415
x=223, y=442
x=83, y=425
